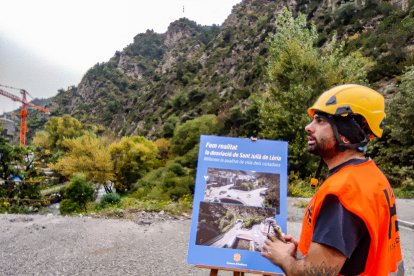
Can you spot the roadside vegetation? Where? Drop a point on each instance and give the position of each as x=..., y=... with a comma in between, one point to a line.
x=69, y=162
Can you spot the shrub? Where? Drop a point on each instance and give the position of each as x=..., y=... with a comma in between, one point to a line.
x=169, y=126
x=176, y=169
x=171, y=182
x=79, y=191
x=179, y=101
x=67, y=206
x=196, y=96
x=298, y=187
x=111, y=198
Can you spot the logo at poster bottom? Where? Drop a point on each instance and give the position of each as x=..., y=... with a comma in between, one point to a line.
x=237, y=257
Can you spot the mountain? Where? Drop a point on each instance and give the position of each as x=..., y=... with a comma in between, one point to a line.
x=161, y=80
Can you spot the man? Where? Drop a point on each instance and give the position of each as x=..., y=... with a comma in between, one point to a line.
x=350, y=224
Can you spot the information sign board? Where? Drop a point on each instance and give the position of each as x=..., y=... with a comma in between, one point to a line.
x=240, y=191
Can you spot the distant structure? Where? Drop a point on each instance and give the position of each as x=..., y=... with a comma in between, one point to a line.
x=8, y=128
x=24, y=109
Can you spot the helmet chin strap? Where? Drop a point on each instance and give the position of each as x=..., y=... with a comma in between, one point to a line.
x=314, y=182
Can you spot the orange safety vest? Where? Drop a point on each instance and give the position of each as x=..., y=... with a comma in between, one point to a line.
x=363, y=190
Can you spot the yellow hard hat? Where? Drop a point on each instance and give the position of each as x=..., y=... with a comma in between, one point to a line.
x=349, y=99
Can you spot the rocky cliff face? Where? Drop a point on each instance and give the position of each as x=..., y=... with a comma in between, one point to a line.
x=130, y=67
x=180, y=44
x=177, y=31
x=138, y=89
x=188, y=71
x=335, y=4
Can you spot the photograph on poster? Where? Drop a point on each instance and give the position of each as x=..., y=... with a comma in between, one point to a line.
x=249, y=188
x=233, y=226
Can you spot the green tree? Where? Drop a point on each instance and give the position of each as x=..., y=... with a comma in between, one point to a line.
x=395, y=151
x=42, y=139
x=163, y=146
x=187, y=135
x=9, y=155
x=77, y=194
x=41, y=144
x=169, y=126
x=59, y=128
x=86, y=154
x=298, y=73
x=167, y=183
x=133, y=157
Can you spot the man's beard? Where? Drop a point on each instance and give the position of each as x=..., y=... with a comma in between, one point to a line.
x=323, y=148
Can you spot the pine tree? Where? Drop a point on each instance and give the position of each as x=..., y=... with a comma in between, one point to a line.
x=298, y=73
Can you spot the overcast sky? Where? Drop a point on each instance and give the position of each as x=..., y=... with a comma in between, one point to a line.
x=46, y=45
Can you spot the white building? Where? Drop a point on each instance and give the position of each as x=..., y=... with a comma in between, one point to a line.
x=8, y=128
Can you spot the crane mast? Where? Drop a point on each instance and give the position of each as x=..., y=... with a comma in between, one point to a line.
x=23, y=112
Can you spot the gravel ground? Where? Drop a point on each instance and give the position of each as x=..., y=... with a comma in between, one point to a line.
x=57, y=245
x=145, y=244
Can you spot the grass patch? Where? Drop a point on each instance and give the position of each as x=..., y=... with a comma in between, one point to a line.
x=403, y=193
x=182, y=206
x=301, y=203
x=53, y=189
x=298, y=187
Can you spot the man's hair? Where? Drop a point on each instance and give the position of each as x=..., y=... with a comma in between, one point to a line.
x=352, y=127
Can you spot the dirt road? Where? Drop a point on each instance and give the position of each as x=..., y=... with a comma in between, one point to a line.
x=57, y=245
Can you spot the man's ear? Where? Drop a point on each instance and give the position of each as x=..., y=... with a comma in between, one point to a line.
x=345, y=140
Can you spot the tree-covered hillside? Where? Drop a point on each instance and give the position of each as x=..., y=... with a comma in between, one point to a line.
x=248, y=79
